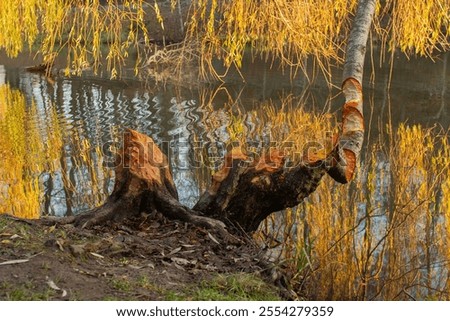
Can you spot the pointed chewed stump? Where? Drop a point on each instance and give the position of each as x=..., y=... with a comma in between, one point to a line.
x=143, y=184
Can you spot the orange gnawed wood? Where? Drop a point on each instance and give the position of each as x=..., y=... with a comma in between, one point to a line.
x=271, y=161
x=311, y=157
x=353, y=93
x=343, y=159
x=350, y=158
x=352, y=126
x=352, y=82
x=234, y=155
x=351, y=103
x=141, y=157
x=352, y=119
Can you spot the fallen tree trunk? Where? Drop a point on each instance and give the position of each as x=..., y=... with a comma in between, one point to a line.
x=242, y=193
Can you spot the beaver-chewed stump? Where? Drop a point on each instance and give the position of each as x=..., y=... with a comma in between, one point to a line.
x=242, y=193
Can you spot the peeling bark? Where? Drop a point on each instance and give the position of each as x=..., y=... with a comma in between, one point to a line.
x=345, y=156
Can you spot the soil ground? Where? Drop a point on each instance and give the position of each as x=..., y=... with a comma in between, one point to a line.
x=155, y=260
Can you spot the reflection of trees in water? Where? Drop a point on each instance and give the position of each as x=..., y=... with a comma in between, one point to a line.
x=29, y=152
x=91, y=115
x=96, y=109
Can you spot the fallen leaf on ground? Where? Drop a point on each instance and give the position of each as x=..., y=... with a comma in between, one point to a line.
x=14, y=262
x=188, y=245
x=179, y=267
x=53, y=286
x=180, y=261
x=178, y=249
x=213, y=238
x=97, y=255
x=60, y=245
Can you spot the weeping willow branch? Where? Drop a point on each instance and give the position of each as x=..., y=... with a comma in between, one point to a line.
x=287, y=30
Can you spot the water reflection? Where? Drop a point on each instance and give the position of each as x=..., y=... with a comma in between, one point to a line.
x=2, y=75
x=30, y=143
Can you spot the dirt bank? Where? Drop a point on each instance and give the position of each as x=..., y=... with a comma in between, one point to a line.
x=160, y=260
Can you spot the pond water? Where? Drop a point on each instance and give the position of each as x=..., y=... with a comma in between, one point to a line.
x=94, y=110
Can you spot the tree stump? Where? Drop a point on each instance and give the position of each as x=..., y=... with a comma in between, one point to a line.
x=243, y=195
x=143, y=184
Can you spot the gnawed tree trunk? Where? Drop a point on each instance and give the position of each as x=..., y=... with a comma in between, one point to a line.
x=242, y=193
x=348, y=149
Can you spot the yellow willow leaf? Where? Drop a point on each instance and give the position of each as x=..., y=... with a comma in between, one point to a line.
x=158, y=15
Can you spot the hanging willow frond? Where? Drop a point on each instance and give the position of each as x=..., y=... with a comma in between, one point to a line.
x=283, y=29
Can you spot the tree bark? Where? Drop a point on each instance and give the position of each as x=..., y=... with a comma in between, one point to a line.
x=143, y=184
x=348, y=148
x=243, y=195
